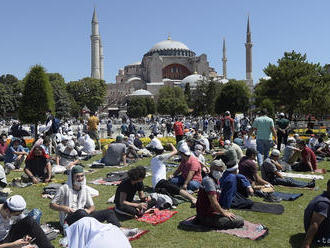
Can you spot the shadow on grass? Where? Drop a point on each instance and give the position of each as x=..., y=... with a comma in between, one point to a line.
x=296, y=240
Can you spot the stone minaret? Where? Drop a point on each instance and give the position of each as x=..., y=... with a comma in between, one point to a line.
x=248, y=48
x=101, y=61
x=224, y=59
x=95, y=45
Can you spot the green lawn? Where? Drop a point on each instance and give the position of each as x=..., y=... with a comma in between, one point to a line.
x=285, y=230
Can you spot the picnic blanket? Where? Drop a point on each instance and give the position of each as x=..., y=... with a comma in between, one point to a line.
x=133, y=233
x=249, y=230
x=287, y=196
x=265, y=208
x=156, y=216
x=303, y=176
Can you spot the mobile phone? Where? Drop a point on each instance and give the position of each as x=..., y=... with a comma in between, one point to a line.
x=32, y=240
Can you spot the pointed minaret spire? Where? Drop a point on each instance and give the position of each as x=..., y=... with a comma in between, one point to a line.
x=224, y=59
x=95, y=45
x=248, y=50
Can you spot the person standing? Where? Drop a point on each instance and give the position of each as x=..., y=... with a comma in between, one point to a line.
x=178, y=130
x=283, y=126
x=264, y=126
x=227, y=126
x=92, y=124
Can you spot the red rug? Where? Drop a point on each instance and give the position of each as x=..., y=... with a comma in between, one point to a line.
x=156, y=216
x=135, y=234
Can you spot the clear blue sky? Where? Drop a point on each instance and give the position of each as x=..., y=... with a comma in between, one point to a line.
x=56, y=33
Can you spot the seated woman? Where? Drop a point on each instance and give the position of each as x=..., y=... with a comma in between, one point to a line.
x=73, y=200
x=18, y=230
x=37, y=167
x=15, y=155
x=67, y=156
x=126, y=191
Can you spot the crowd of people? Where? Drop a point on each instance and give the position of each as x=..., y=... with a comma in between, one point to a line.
x=239, y=148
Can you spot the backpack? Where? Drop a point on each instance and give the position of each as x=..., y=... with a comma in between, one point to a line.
x=56, y=125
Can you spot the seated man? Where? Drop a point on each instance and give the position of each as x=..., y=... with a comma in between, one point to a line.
x=235, y=189
x=270, y=172
x=37, y=167
x=137, y=142
x=227, y=155
x=115, y=153
x=308, y=158
x=87, y=144
x=159, y=182
x=209, y=211
x=291, y=154
x=126, y=191
x=15, y=155
x=317, y=220
x=73, y=200
x=322, y=149
x=67, y=156
x=189, y=173
x=18, y=230
x=154, y=143
x=247, y=167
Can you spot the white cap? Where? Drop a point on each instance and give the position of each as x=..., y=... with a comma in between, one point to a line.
x=16, y=203
x=282, y=114
x=291, y=140
x=185, y=149
x=227, y=142
x=275, y=153
x=227, y=112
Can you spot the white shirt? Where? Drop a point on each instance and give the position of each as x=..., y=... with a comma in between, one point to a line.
x=158, y=168
x=155, y=143
x=250, y=142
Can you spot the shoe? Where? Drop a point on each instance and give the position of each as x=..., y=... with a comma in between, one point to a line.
x=272, y=198
x=311, y=184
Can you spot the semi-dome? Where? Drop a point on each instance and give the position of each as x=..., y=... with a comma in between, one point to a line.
x=169, y=44
x=141, y=92
x=192, y=80
x=133, y=79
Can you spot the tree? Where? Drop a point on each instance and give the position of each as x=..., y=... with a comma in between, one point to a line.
x=150, y=104
x=88, y=91
x=187, y=94
x=171, y=101
x=63, y=100
x=11, y=91
x=136, y=107
x=295, y=85
x=234, y=96
x=37, y=97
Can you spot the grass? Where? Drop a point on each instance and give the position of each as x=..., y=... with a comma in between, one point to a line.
x=285, y=230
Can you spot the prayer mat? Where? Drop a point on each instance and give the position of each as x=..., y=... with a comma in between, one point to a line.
x=116, y=176
x=102, y=181
x=303, y=176
x=249, y=230
x=287, y=196
x=133, y=233
x=156, y=216
x=265, y=208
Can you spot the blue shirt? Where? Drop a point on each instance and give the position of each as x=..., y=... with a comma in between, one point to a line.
x=229, y=185
x=10, y=156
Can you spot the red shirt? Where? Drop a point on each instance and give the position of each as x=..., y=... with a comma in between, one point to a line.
x=178, y=128
x=307, y=154
x=192, y=164
x=203, y=205
x=231, y=122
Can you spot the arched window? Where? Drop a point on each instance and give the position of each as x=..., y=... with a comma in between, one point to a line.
x=175, y=71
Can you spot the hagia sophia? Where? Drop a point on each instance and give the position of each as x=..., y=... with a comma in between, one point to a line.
x=167, y=63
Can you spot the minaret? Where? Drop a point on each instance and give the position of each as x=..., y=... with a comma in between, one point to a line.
x=248, y=48
x=101, y=61
x=95, y=45
x=224, y=59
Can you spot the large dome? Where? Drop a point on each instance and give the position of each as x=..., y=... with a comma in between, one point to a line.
x=169, y=44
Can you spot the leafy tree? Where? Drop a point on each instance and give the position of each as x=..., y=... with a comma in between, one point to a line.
x=63, y=100
x=37, y=97
x=171, y=101
x=295, y=85
x=234, y=96
x=187, y=94
x=150, y=104
x=11, y=93
x=136, y=107
x=88, y=91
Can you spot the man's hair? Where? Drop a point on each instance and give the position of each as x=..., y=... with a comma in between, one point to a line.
x=5, y=206
x=264, y=111
x=250, y=152
x=302, y=142
x=151, y=136
x=137, y=173
x=158, y=151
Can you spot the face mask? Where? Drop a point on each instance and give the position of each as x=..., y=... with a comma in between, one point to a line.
x=197, y=152
x=217, y=174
